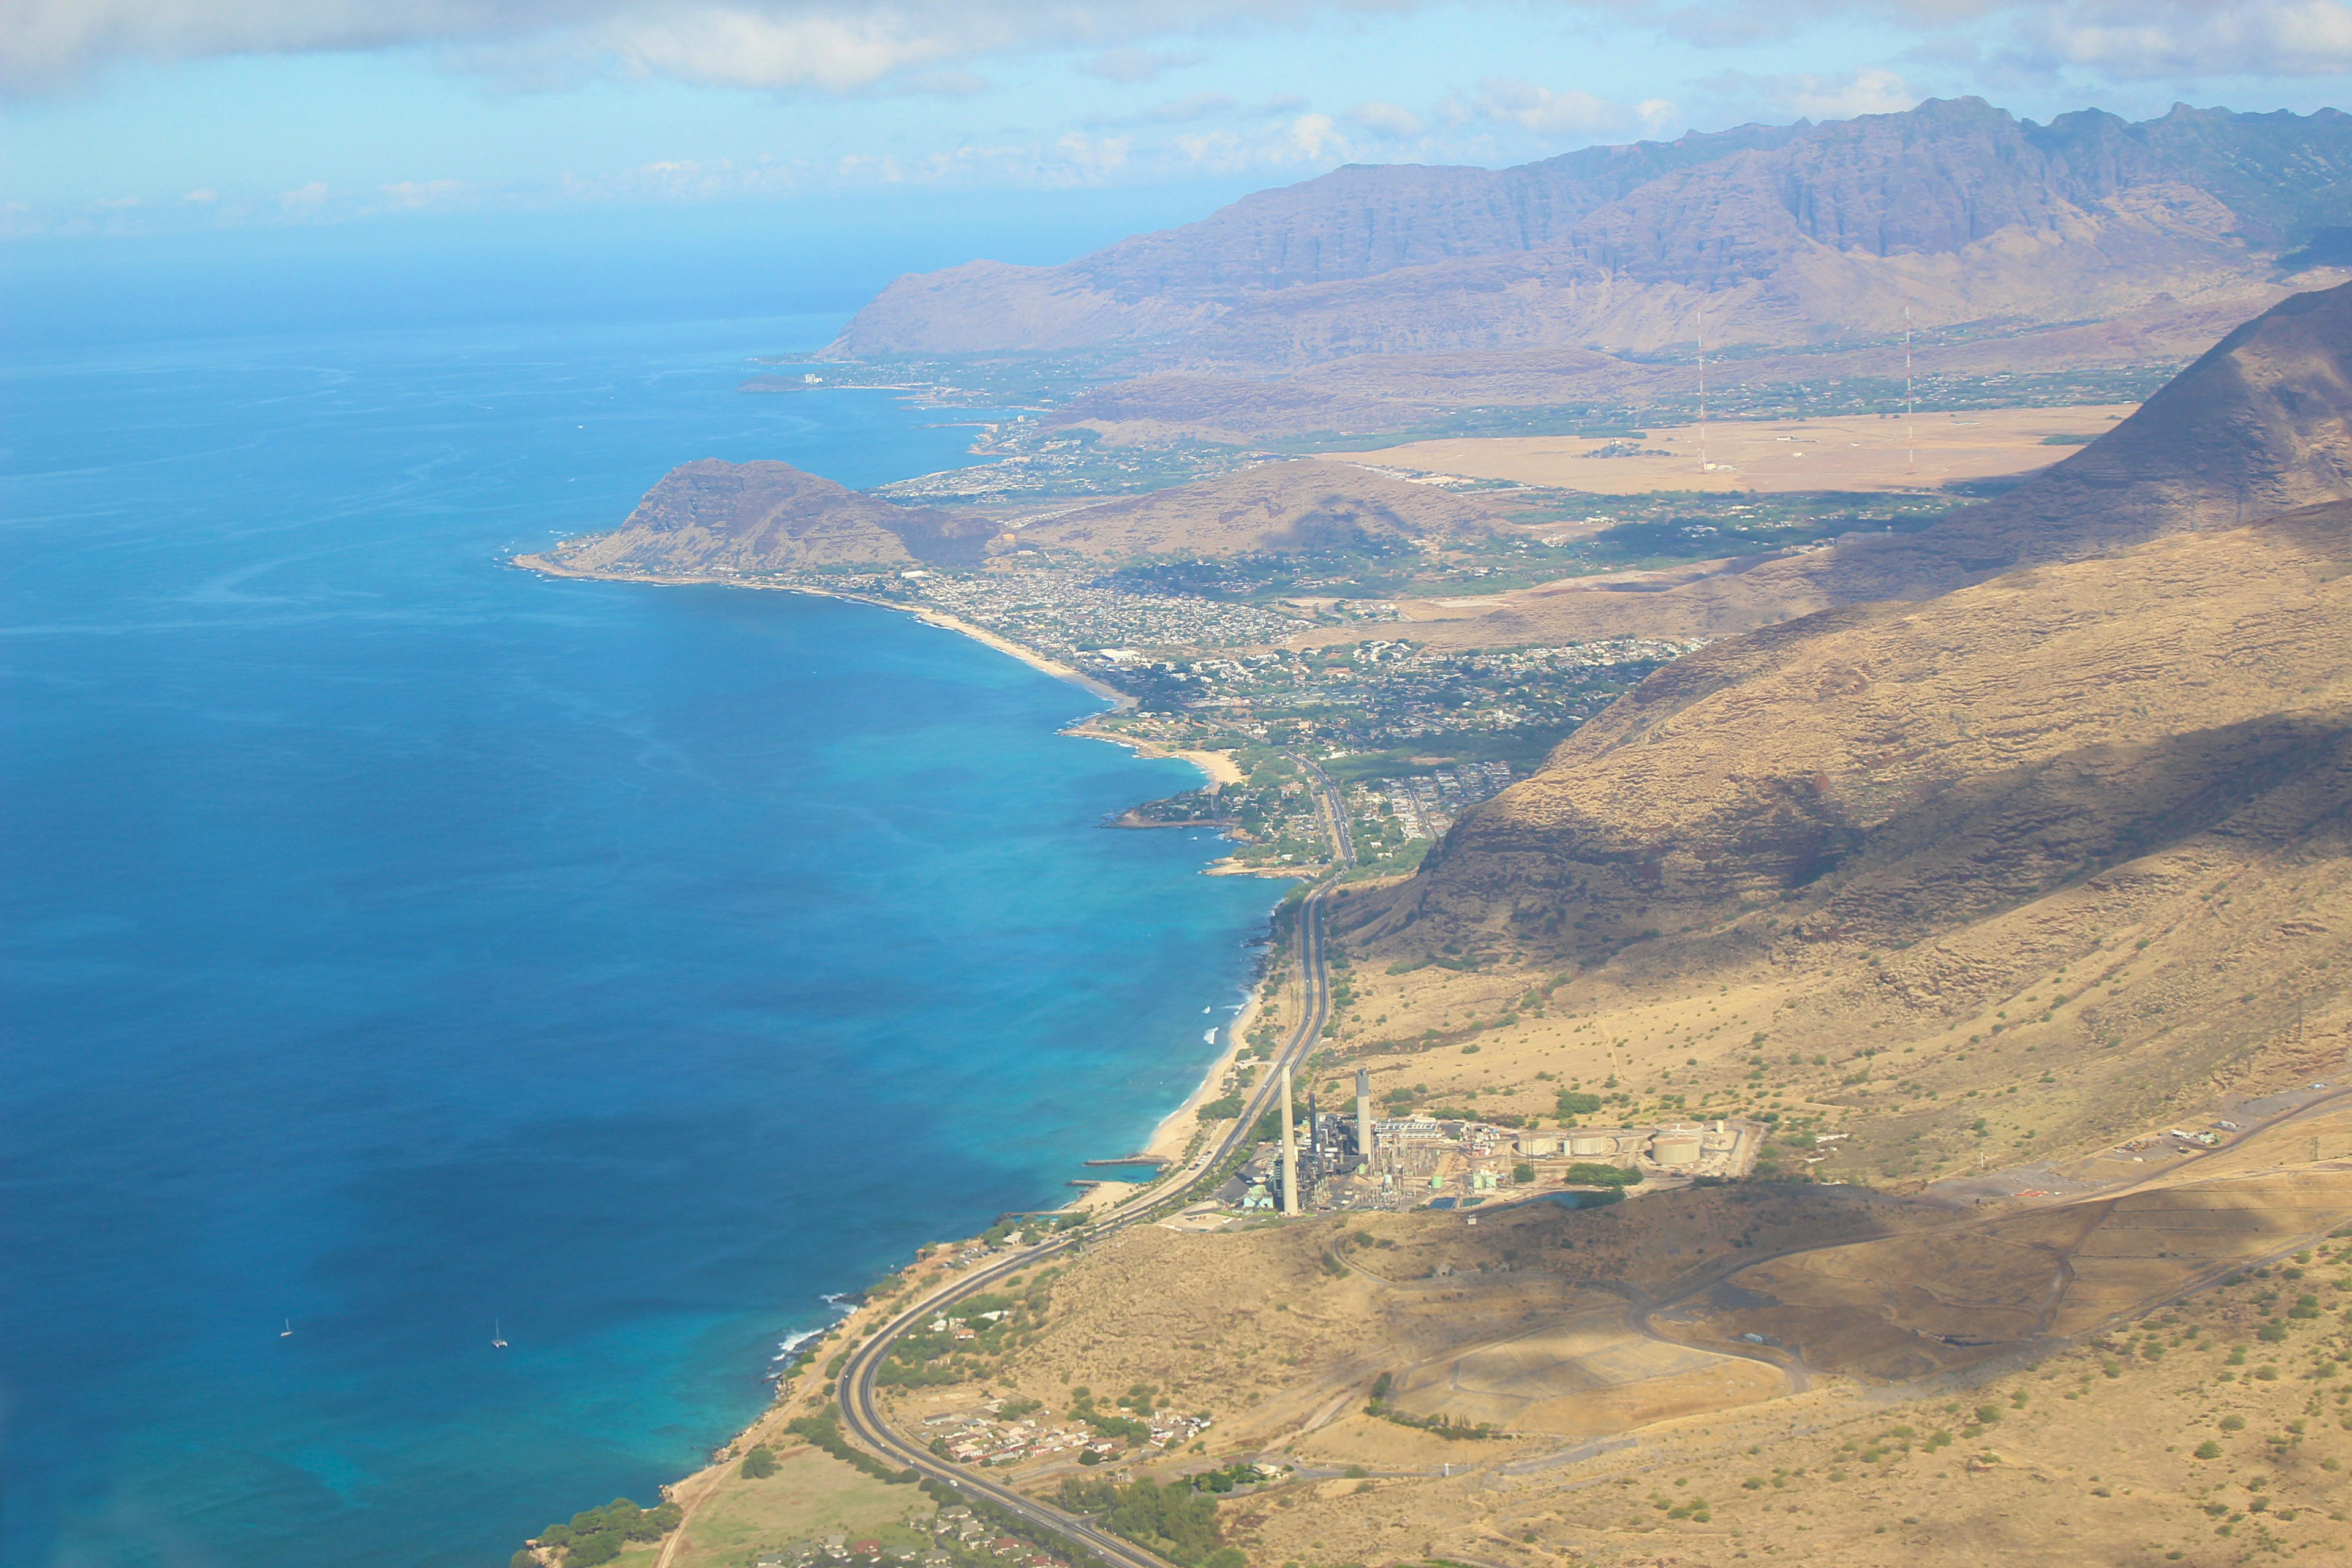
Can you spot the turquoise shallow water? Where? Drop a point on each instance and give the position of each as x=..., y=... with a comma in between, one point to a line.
x=396, y=944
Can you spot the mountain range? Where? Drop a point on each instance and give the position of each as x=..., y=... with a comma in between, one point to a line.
x=1956, y=213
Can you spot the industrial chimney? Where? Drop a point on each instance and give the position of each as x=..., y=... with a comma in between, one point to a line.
x=1289, y=1152
x=1364, y=1121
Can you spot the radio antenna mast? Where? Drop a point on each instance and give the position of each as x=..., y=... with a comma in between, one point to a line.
x=1910, y=429
x=1704, y=466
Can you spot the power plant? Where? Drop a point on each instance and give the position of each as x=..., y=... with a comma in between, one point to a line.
x=1363, y=1123
x=1290, y=1204
x=1343, y=1162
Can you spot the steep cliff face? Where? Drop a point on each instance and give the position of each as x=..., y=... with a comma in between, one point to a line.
x=1789, y=235
x=716, y=518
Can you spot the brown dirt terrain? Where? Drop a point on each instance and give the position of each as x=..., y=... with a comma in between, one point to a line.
x=1281, y=1329
x=1774, y=456
x=2096, y=1454
x=722, y=518
x=2261, y=425
x=2047, y=860
x=1374, y=392
x=1622, y=1445
x=1282, y=506
x=1907, y=1307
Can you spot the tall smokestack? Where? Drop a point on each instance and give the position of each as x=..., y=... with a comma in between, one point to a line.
x=1364, y=1119
x=1289, y=1152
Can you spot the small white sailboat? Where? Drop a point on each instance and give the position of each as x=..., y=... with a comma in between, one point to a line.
x=288, y=1331
x=497, y=1335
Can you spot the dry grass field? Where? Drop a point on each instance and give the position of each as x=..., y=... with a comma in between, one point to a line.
x=1773, y=455
x=2032, y=1383
x=810, y=1497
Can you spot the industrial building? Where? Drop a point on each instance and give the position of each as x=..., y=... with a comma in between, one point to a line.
x=1342, y=1161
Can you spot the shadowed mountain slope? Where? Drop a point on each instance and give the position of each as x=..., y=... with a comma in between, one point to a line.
x=1789, y=235
x=2089, y=821
x=2261, y=425
x=1896, y=770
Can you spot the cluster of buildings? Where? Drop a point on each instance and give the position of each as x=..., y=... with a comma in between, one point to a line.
x=1071, y=613
x=1423, y=805
x=985, y=1435
x=1386, y=692
x=957, y=1534
x=1347, y=1159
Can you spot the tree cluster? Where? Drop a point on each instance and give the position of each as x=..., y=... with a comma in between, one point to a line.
x=597, y=1535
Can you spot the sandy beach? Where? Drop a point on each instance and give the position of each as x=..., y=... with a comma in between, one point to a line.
x=1219, y=765
x=1175, y=1129
x=940, y=618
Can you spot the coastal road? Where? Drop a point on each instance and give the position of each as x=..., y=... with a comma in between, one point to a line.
x=861, y=1409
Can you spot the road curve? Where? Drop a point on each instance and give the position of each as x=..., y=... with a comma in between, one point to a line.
x=861, y=1411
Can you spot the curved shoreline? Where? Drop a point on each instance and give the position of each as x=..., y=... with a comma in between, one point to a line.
x=1172, y=1131
x=1119, y=700
x=1173, y=1134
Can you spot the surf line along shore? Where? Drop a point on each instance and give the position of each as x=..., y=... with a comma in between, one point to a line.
x=1219, y=768
x=1170, y=1138
x=862, y=1336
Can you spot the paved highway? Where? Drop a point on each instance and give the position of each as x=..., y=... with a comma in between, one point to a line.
x=861, y=1410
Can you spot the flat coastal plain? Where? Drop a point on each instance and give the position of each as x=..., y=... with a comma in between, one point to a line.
x=1864, y=453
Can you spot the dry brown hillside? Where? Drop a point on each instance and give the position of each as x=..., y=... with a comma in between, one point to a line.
x=1303, y=505
x=721, y=519
x=2261, y=423
x=2082, y=827
x=718, y=517
x=1374, y=392
x=2147, y=1374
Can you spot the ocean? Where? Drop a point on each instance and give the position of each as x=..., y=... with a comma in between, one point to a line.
x=402, y=948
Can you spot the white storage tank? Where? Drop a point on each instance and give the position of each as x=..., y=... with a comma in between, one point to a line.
x=1675, y=1148
x=1585, y=1145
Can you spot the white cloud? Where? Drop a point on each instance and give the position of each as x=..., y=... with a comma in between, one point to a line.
x=729, y=47
x=201, y=196
x=848, y=45
x=415, y=195
x=1140, y=65
x=2183, y=39
x=829, y=46
x=1805, y=95
x=304, y=198
x=1316, y=137
x=1385, y=120
x=1182, y=111
x=1304, y=141
x=1539, y=108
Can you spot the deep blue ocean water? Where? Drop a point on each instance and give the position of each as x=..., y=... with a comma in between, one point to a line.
x=398, y=944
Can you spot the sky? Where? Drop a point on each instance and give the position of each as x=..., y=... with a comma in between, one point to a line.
x=1032, y=129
